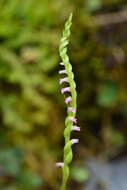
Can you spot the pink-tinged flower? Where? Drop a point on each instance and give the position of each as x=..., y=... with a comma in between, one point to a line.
x=63, y=80
x=71, y=109
x=75, y=128
x=59, y=164
x=68, y=99
x=73, y=119
x=66, y=89
x=63, y=72
x=61, y=63
x=74, y=141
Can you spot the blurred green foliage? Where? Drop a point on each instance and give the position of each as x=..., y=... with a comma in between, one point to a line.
x=31, y=116
x=107, y=95
x=79, y=174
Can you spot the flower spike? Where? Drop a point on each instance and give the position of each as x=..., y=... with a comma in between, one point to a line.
x=70, y=102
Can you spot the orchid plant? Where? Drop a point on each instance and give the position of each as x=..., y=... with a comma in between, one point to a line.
x=70, y=99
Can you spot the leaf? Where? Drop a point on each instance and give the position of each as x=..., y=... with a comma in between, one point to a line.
x=117, y=138
x=79, y=174
x=27, y=179
x=93, y=5
x=11, y=160
x=107, y=94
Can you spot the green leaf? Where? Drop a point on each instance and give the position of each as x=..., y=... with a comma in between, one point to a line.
x=93, y=5
x=29, y=180
x=107, y=94
x=11, y=160
x=79, y=174
x=117, y=138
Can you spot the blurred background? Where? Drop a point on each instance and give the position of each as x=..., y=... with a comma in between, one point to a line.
x=32, y=110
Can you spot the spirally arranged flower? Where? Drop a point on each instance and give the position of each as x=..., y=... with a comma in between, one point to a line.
x=67, y=77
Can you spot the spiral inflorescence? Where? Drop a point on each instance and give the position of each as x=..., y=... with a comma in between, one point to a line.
x=70, y=100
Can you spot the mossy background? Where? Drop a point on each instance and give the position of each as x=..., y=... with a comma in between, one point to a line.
x=32, y=110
